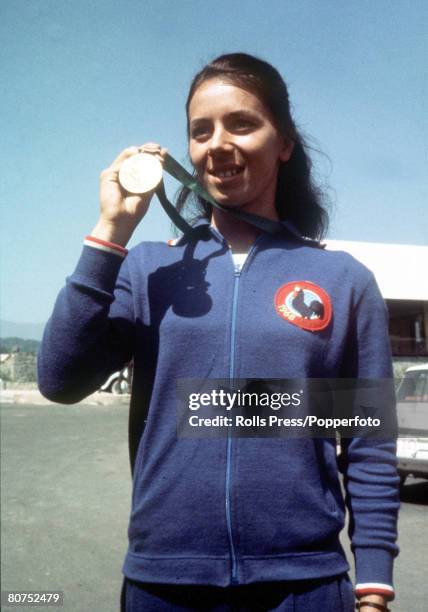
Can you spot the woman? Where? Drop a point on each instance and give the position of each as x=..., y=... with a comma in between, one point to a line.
x=233, y=523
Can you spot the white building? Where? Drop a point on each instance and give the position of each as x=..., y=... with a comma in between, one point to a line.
x=401, y=271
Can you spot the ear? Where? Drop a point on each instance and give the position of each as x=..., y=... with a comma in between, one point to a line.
x=286, y=150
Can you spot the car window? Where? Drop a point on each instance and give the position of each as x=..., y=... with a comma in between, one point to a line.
x=414, y=387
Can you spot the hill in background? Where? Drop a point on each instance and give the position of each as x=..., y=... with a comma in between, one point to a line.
x=14, y=343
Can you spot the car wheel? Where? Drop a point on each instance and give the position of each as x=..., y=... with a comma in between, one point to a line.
x=403, y=476
x=119, y=387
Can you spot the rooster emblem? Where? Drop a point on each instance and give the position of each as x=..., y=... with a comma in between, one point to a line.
x=314, y=309
x=304, y=304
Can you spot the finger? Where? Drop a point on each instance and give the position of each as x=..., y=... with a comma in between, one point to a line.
x=163, y=152
x=109, y=174
x=159, y=154
x=128, y=152
x=150, y=147
x=154, y=149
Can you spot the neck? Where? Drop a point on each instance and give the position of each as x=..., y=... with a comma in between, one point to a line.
x=239, y=234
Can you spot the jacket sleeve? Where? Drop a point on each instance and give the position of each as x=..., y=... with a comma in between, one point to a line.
x=90, y=333
x=369, y=463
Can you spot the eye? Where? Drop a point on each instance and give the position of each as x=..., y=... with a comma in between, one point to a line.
x=199, y=131
x=242, y=123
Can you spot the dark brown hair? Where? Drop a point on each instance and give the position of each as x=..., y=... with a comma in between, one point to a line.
x=298, y=198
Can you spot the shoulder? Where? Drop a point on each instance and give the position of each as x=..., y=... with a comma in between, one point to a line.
x=336, y=263
x=171, y=248
x=151, y=247
x=151, y=254
x=344, y=260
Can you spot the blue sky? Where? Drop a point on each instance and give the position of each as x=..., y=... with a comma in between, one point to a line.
x=83, y=80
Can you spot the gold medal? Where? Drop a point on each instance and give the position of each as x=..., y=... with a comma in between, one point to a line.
x=140, y=173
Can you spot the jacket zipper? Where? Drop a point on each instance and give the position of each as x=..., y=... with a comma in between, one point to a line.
x=237, y=275
x=234, y=576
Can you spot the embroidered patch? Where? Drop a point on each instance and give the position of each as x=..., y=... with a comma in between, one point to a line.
x=304, y=304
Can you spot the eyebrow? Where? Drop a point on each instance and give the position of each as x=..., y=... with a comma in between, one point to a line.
x=232, y=115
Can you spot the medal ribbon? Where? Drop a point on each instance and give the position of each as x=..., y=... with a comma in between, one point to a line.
x=177, y=171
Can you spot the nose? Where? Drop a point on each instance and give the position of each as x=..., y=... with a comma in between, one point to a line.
x=220, y=141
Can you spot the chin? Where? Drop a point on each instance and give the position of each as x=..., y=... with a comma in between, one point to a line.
x=226, y=199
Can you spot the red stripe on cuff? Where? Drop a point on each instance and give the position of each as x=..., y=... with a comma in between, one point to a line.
x=111, y=245
x=386, y=592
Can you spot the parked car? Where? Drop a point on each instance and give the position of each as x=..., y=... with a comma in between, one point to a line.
x=412, y=414
x=118, y=383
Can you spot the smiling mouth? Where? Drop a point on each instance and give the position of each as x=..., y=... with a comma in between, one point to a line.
x=223, y=173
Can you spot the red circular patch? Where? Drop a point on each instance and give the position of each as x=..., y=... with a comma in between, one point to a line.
x=304, y=304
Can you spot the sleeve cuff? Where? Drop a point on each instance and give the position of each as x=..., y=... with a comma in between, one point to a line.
x=373, y=570
x=104, y=245
x=377, y=588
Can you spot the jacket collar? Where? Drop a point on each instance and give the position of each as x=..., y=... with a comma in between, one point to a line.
x=203, y=227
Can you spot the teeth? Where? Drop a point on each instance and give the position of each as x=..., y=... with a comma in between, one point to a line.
x=227, y=173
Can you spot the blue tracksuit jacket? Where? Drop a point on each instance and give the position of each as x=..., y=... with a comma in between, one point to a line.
x=230, y=510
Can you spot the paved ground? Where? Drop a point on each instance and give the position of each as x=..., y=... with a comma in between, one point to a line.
x=65, y=501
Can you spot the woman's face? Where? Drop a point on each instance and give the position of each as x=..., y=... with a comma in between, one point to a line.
x=235, y=147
